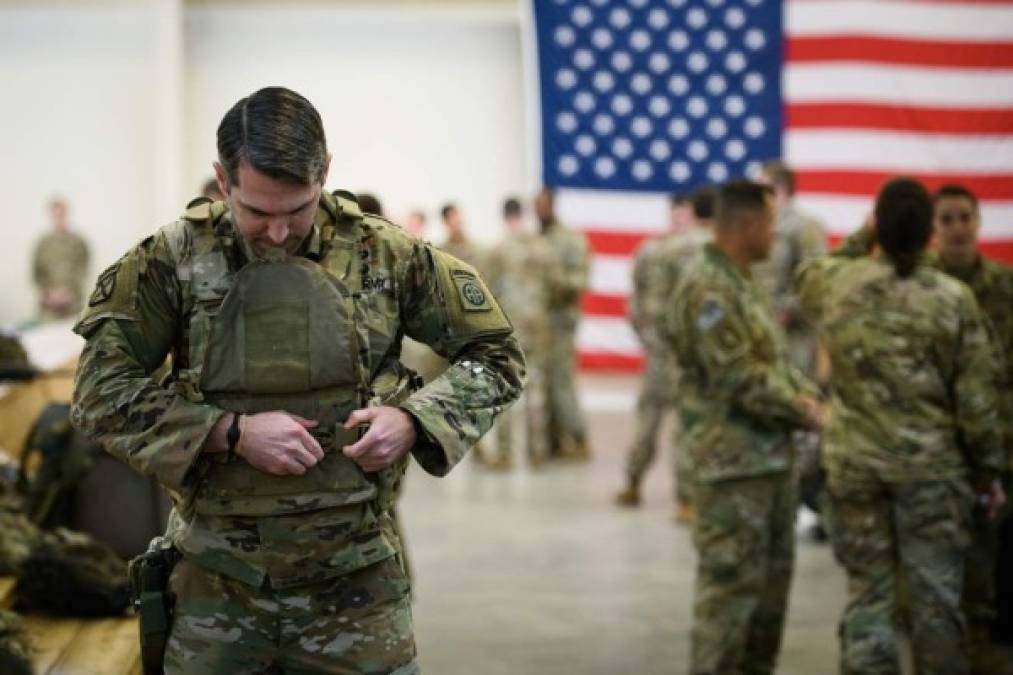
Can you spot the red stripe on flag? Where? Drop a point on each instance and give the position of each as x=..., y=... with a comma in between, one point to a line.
x=608, y=361
x=895, y=51
x=610, y=242
x=598, y=304
x=869, y=182
x=847, y=115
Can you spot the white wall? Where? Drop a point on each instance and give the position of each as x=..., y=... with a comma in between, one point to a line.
x=75, y=120
x=421, y=106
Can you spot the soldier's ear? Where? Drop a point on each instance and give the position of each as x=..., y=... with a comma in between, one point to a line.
x=222, y=177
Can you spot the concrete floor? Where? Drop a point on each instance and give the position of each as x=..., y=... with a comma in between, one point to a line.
x=533, y=572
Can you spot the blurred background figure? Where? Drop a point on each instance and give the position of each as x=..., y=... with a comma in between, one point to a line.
x=567, y=429
x=913, y=427
x=211, y=190
x=656, y=271
x=370, y=203
x=957, y=225
x=457, y=242
x=520, y=274
x=415, y=223
x=60, y=266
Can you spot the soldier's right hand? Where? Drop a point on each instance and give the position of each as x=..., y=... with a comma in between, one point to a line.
x=279, y=443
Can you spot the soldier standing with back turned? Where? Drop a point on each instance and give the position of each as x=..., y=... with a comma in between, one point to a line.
x=285, y=428
x=740, y=399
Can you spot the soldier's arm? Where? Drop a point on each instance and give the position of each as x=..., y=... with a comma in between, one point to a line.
x=445, y=304
x=734, y=367
x=129, y=327
x=810, y=243
x=976, y=395
x=572, y=275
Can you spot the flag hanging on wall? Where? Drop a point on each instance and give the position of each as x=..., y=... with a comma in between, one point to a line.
x=643, y=98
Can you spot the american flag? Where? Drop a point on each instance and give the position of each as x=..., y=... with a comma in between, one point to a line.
x=642, y=98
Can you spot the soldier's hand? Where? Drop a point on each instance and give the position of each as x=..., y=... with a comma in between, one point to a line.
x=279, y=443
x=390, y=436
x=815, y=413
x=995, y=498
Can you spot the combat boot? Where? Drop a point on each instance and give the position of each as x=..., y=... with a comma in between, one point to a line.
x=684, y=514
x=630, y=497
x=500, y=463
x=574, y=450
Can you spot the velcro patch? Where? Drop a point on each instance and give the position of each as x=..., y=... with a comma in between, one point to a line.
x=474, y=297
x=104, y=286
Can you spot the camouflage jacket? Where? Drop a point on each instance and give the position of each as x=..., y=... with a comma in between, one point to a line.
x=61, y=261
x=798, y=238
x=740, y=397
x=912, y=369
x=520, y=272
x=992, y=285
x=657, y=268
x=464, y=250
x=571, y=255
x=141, y=312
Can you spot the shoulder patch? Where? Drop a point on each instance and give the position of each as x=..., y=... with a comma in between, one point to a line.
x=710, y=314
x=104, y=286
x=473, y=295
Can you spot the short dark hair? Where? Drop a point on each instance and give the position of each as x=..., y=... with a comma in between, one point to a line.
x=277, y=132
x=903, y=222
x=446, y=209
x=781, y=175
x=955, y=190
x=370, y=203
x=703, y=202
x=512, y=207
x=737, y=198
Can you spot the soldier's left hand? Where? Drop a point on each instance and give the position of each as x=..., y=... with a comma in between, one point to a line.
x=390, y=436
x=995, y=498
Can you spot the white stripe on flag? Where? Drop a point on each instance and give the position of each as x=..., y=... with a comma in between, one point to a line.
x=844, y=214
x=898, y=85
x=611, y=275
x=613, y=210
x=600, y=334
x=899, y=152
x=966, y=21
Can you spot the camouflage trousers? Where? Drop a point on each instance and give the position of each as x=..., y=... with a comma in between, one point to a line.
x=359, y=623
x=980, y=593
x=529, y=411
x=884, y=531
x=656, y=399
x=565, y=418
x=745, y=541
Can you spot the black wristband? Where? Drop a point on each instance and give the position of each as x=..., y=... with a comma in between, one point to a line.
x=232, y=437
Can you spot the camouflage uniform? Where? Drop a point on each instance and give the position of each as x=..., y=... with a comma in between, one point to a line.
x=656, y=271
x=798, y=238
x=15, y=648
x=61, y=261
x=912, y=373
x=567, y=429
x=739, y=400
x=992, y=285
x=520, y=273
x=317, y=548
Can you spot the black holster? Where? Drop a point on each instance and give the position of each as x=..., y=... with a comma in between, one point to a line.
x=149, y=579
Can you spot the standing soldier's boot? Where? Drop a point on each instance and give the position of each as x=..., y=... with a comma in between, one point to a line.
x=631, y=495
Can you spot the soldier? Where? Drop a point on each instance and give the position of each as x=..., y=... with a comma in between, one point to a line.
x=739, y=400
x=285, y=428
x=798, y=237
x=957, y=224
x=913, y=417
x=415, y=223
x=567, y=429
x=656, y=271
x=457, y=243
x=59, y=267
x=520, y=274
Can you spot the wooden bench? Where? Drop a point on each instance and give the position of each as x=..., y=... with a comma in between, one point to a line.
x=69, y=646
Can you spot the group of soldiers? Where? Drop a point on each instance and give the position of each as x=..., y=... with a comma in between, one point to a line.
x=870, y=366
x=538, y=272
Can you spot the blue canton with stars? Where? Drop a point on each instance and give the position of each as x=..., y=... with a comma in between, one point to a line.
x=657, y=95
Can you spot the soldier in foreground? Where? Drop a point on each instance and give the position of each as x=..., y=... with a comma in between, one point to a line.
x=285, y=428
x=520, y=274
x=739, y=400
x=913, y=428
x=957, y=224
x=656, y=271
x=567, y=428
x=59, y=266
